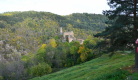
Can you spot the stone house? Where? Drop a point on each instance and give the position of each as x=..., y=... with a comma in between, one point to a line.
x=70, y=36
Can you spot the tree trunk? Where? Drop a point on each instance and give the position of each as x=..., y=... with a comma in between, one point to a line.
x=135, y=34
x=136, y=56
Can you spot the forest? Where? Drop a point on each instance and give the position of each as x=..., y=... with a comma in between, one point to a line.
x=30, y=44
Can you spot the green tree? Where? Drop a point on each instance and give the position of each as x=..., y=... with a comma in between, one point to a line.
x=83, y=52
x=53, y=43
x=2, y=25
x=40, y=69
x=73, y=49
x=89, y=43
x=120, y=20
x=56, y=37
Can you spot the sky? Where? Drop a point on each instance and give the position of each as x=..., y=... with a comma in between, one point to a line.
x=60, y=7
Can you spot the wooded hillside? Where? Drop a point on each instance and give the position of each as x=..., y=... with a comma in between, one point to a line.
x=28, y=30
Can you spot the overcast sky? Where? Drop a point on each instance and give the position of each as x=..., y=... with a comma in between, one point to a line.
x=60, y=7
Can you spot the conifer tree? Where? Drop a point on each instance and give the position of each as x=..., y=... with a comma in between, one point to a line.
x=122, y=25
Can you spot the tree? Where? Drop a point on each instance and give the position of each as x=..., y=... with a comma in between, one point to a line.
x=83, y=52
x=2, y=25
x=40, y=69
x=53, y=43
x=120, y=21
x=73, y=49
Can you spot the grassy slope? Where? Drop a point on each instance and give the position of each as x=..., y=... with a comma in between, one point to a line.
x=91, y=69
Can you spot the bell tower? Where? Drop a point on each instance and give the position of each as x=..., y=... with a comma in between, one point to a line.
x=60, y=30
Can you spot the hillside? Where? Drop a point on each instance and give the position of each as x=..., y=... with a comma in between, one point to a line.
x=32, y=39
x=27, y=31
x=96, y=69
x=94, y=22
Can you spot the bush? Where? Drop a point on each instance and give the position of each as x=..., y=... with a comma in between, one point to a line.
x=79, y=60
x=118, y=75
x=12, y=70
x=1, y=78
x=69, y=64
x=90, y=56
x=40, y=69
x=65, y=65
x=72, y=63
x=2, y=25
x=134, y=76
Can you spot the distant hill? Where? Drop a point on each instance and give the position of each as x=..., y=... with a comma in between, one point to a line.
x=94, y=22
x=28, y=30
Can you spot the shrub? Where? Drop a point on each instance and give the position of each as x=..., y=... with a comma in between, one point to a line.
x=69, y=64
x=13, y=70
x=90, y=56
x=1, y=78
x=118, y=75
x=2, y=25
x=79, y=60
x=40, y=69
x=40, y=55
x=65, y=65
x=72, y=63
x=134, y=76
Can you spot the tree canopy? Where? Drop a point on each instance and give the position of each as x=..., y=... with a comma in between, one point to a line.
x=122, y=25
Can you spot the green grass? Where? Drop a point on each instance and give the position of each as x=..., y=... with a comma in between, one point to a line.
x=134, y=76
x=92, y=69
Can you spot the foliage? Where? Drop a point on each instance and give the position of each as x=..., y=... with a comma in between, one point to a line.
x=28, y=30
x=2, y=25
x=43, y=46
x=13, y=70
x=53, y=43
x=83, y=53
x=79, y=60
x=1, y=78
x=75, y=43
x=40, y=56
x=134, y=76
x=88, y=21
x=122, y=23
x=73, y=49
x=40, y=69
x=118, y=75
x=93, y=69
x=35, y=35
x=56, y=37
x=89, y=43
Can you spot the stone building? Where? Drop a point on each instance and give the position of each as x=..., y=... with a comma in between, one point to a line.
x=80, y=40
x=67, y=35
x=70, y=36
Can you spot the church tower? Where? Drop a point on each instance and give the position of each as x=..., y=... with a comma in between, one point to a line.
x=60, y=30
